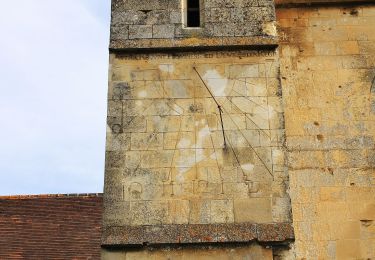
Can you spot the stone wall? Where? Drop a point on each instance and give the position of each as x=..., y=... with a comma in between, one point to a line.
x=173, y=159
x=160, y=23
x=327, y=70
x=326, y=66
x=192, y=252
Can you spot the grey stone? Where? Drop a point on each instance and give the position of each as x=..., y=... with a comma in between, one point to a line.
x=121, y=90
x=132, y=21
x=145, y=4
x=223, y=29
x=247, y=3
x=157, y=17
x=120, y=32
x=267, y=3
x=134, y=124
x=140, y=31
x=187, y=234
x=218, y=15
x=163, y=31
x=174, y=4
x=175, y=16
x=371, y=158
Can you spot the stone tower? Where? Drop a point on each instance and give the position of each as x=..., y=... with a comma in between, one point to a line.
x=195, y=132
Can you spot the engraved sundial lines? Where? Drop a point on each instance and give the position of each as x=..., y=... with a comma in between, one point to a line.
x=224, y=135
x=182, y=143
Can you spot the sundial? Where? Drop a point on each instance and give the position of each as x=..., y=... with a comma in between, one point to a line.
x=196, y=136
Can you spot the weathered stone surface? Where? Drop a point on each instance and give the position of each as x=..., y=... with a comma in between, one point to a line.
x=166, y=158
x=163, y=31
x=140, y=31
x=275, y=232
x=206, y=252
x=327, y=72
x=192, y=234
x=133, y=21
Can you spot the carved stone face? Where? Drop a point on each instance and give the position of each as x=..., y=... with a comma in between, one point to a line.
x=175, y=157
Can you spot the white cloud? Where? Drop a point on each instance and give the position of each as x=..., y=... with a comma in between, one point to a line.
x=53, y=85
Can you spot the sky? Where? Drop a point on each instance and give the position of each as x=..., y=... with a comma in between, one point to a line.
x=53, y=89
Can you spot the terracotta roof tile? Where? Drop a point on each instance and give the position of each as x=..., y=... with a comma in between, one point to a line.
x=50, y=226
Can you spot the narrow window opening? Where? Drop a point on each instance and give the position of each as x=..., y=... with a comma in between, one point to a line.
x=193, y=14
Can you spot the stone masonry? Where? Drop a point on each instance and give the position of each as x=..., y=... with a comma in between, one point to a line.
x=195, y=139
x=328, y=71
x=138, y=24
x=219, y=137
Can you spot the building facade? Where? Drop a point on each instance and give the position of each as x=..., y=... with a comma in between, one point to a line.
x=236, y=129
x=240, y=129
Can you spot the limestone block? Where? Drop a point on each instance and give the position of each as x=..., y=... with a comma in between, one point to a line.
x=222, y=211
x=178, y=88
x=346, y=230
x=140, y=213
x=113, y=210
x=114, y=159
x=157, y=17
x=331, y=194
x=163, y=31
x=158, y=212
x=237, y=190
x=348, y=48
x=165, y=124
x=146, y=141
x=180, y=140
x=252, y=137
x=140, y=31
x=211, y=174
x=255, y=210
x=118, y=142
x=134, y=124
x=148, y=90
x=142, y=4
x=175, y=16
x=120, y=32
x=217, y=15
x=157, y=159
x=200, y=253
x=132, y=159
x=281, y=209
x=178, y=212
x=243, y=71
x=200, y=211
x=121, y=90
x=347, y=249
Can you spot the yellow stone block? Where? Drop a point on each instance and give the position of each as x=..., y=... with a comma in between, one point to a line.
x=256, y=210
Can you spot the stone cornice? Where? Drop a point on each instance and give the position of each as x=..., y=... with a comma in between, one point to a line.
x=197, y=233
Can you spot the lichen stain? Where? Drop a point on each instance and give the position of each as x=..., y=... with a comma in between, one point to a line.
x=248, y=167
x=269, y=28
x=217, y=83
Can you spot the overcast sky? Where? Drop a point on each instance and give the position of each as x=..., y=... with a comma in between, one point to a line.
x=53, y=83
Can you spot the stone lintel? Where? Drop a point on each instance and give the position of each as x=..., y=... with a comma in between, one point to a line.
x=196, y=43
x=128, y=236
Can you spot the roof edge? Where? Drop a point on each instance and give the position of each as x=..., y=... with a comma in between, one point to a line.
x=46, y=196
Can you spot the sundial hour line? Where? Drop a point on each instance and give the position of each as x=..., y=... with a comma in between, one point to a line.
x=217, y=103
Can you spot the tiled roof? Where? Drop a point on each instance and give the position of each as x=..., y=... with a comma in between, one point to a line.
x=50, y=226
